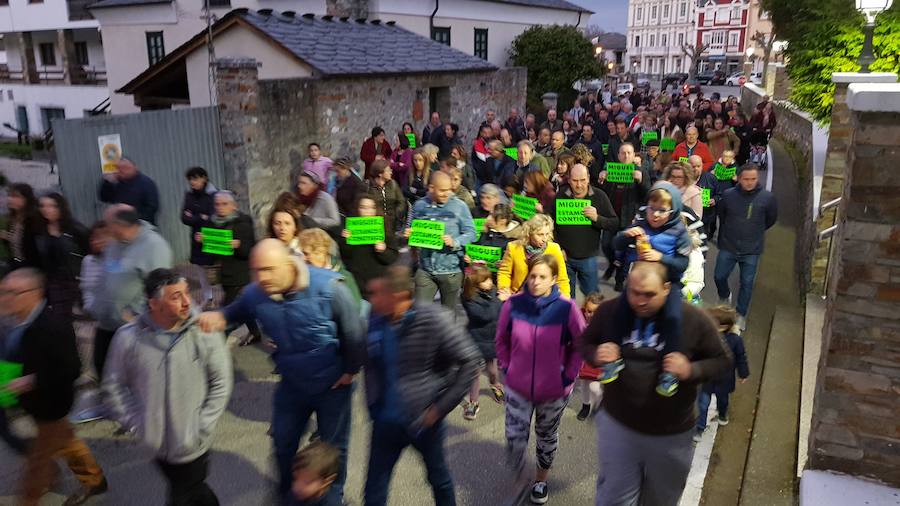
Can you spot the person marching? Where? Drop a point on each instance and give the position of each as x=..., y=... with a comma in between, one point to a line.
x=439, y=269
x=725, y=317
x=538, y=322
x=500, y=228
x=420, y=362
x=315, y=325
x=482, y=307
x=196, y=364
x=46, y=388
x=644, y=439
x=537, y=240
x=745, y=213
x=582, y=242
x=368, y=261
x=659, y=236
x=589, y=377
x=626, y=199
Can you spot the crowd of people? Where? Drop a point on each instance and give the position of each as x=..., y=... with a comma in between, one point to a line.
x=507, y=233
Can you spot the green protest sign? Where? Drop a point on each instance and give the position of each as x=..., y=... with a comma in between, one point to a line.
x=571, y=212
x=605, y=149
x=491, y=255
x=620, y=172
x=684, y=159
x=479, y=226
x=8, y=372
x=524, y=207
x=427, y=234
x=724, y=173
x=412, y=140
x=365, y=230
x=705, y=196
x=217, y=241
x=648, y=136
x=667, y=144
x=512, y=152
